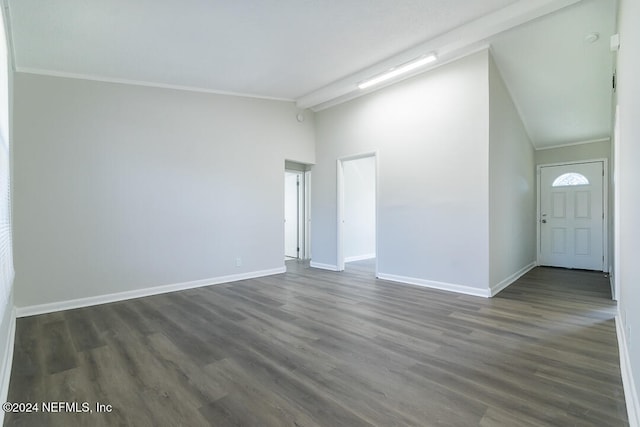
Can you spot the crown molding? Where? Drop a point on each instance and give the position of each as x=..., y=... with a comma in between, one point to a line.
x=105, y=79
x=571, y=144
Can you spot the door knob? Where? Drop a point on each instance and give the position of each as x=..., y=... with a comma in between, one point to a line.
x=544, y=221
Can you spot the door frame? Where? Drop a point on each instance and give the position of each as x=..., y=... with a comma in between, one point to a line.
x=303, y=233
x=307, y=215
x=615, y=144
x=605, y=206
x=340, y=204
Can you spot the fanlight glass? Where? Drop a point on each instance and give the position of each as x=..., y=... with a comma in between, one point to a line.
x=569, y=179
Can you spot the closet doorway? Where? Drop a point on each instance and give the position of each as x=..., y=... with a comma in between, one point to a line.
x=297, y=180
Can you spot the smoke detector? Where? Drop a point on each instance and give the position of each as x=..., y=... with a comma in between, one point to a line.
x=592, y=37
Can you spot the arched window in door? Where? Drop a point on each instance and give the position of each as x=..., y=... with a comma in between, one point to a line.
x=570, y=179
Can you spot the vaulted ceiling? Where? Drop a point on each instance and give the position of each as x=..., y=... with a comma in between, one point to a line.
x=315, y=52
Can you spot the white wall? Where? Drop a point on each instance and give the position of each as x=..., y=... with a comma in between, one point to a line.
x=122, y=187
x=512, y=194
x=590, y=151
x=359, y=209
x=431, y=133
x=628, y=184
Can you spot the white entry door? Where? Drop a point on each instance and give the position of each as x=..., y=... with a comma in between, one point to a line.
x=572, y=216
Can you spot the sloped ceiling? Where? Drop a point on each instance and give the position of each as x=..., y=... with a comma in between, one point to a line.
x=561, y=83
x=293, y=49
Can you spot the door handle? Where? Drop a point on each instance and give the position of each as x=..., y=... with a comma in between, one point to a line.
x=544, y=221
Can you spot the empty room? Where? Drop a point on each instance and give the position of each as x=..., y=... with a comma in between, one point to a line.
x=312, y=213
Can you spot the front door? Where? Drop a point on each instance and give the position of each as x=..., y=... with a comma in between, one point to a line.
x=572, y=216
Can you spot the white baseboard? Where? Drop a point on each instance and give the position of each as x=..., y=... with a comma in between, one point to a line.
x=7, y=361
x=120, y=296
x=359, y=257
x=323, y=266
x=452, y=287
x=509, y=280
x=630, y=392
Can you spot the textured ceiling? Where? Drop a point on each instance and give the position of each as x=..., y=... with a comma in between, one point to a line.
x=286, y=49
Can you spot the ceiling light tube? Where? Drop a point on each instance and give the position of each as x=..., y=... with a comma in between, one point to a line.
x=396, y=71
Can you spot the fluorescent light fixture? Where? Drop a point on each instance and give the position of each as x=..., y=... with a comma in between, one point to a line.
x=396, y=71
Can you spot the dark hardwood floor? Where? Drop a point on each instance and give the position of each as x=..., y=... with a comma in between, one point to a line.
x=318, y=348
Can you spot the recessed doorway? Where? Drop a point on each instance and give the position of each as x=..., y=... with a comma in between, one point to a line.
x=297, y=181
x=357, y=211
x=572, y=215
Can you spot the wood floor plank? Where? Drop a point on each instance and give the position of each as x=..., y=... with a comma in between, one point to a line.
x=60, y=354
x=241, y=386
x=83, y=332
x=320, y=348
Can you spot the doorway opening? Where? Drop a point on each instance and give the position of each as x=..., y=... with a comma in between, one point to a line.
x=572, y=215
x=357, y=212
x=297, y=182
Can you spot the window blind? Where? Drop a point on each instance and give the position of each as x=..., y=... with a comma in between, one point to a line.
x=6, y=248
x=6, y=255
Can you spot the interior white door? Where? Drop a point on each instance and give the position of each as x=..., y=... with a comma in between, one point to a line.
x=572, y=216
x=291, y=217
